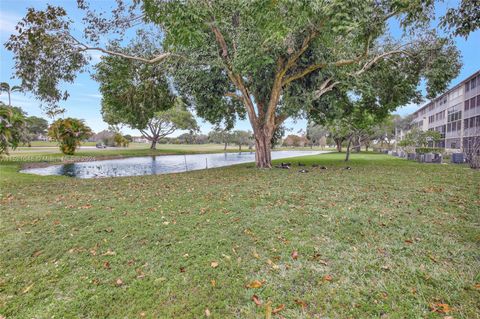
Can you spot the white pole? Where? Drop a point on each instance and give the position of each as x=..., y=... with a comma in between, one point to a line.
x=185, y=159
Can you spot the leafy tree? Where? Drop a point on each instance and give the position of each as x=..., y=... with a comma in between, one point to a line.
x=35, y=126
x=12, y=127
x=269, y=60
x=277, y=135
x=338, y=131
x=419, y=138
x=192, y=138
x=69, y=132
x=315, y=133
x=220, y=135
x=166, y=122
x=120, y=140
x=294, y=140
x=465, y=19
x=242, y=138
x=5, y=87
x=139, y=95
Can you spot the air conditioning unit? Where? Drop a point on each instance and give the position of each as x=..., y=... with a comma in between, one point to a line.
x=437, y=158
x=458, y=158
x=429, y=157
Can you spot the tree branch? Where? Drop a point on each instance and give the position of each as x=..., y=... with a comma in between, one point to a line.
x=370, y=63
x=234, y=95
x=326, y=86
x=153, y=60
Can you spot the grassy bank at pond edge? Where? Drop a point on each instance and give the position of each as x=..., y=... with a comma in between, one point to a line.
x=389, y=238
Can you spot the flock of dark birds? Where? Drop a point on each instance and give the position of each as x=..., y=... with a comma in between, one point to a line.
x=289, y=165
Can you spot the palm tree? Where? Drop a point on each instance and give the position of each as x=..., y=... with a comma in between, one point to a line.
x=4, y=86
x=69, y=133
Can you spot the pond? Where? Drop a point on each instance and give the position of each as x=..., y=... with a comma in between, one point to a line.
x=151, y=165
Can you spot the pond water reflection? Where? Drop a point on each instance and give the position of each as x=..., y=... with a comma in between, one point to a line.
x=151, y=165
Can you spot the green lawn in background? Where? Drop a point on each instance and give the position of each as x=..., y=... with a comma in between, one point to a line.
x=389, y=238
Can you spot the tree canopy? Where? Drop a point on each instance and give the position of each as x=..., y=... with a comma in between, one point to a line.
x=268, y=60
x=12, y=127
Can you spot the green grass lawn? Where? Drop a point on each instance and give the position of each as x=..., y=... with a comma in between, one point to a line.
x=387, y=239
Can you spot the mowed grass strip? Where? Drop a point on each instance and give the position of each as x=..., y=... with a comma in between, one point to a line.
x=387, y=239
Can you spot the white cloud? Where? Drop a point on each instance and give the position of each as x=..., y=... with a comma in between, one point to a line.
x=8, y=21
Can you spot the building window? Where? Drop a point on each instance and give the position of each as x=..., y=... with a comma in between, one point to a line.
x=478, y=100
x=473, y=83
x=465, y=123
x=467, y=105
x=467, y=86
x=472, y=102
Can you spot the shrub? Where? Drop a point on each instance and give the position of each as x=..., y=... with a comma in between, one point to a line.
x=424, y=150
x=69, y=133
x=12, y=128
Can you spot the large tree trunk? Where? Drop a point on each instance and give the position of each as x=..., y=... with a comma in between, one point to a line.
x=338, y=142
x=347, y=156
x=263, y=154
x=358, y=147
x=153, y=146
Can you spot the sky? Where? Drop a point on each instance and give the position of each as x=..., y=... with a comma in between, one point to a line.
x=85, y=99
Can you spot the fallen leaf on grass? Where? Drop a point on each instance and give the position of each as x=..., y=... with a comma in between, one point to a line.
x=207, y=312
x=27, y=289
x=37, y=253
x=213, y=282
x=256, y=300
x=408, y=241
x=268, y=310
x=182, y=269
x=254, y=284
x=214, y=264
x=477, y=286
x=294, y=255
x=440, y=308
x=327, y=278
x=301, y=303
x=106, y=265
x=140, y=273
x=109, y=253
x=119, y=282
x=278, y=309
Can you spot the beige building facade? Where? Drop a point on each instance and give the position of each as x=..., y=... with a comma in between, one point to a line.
x=455, y=114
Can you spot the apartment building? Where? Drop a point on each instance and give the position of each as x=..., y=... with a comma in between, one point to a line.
x=455, y=114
